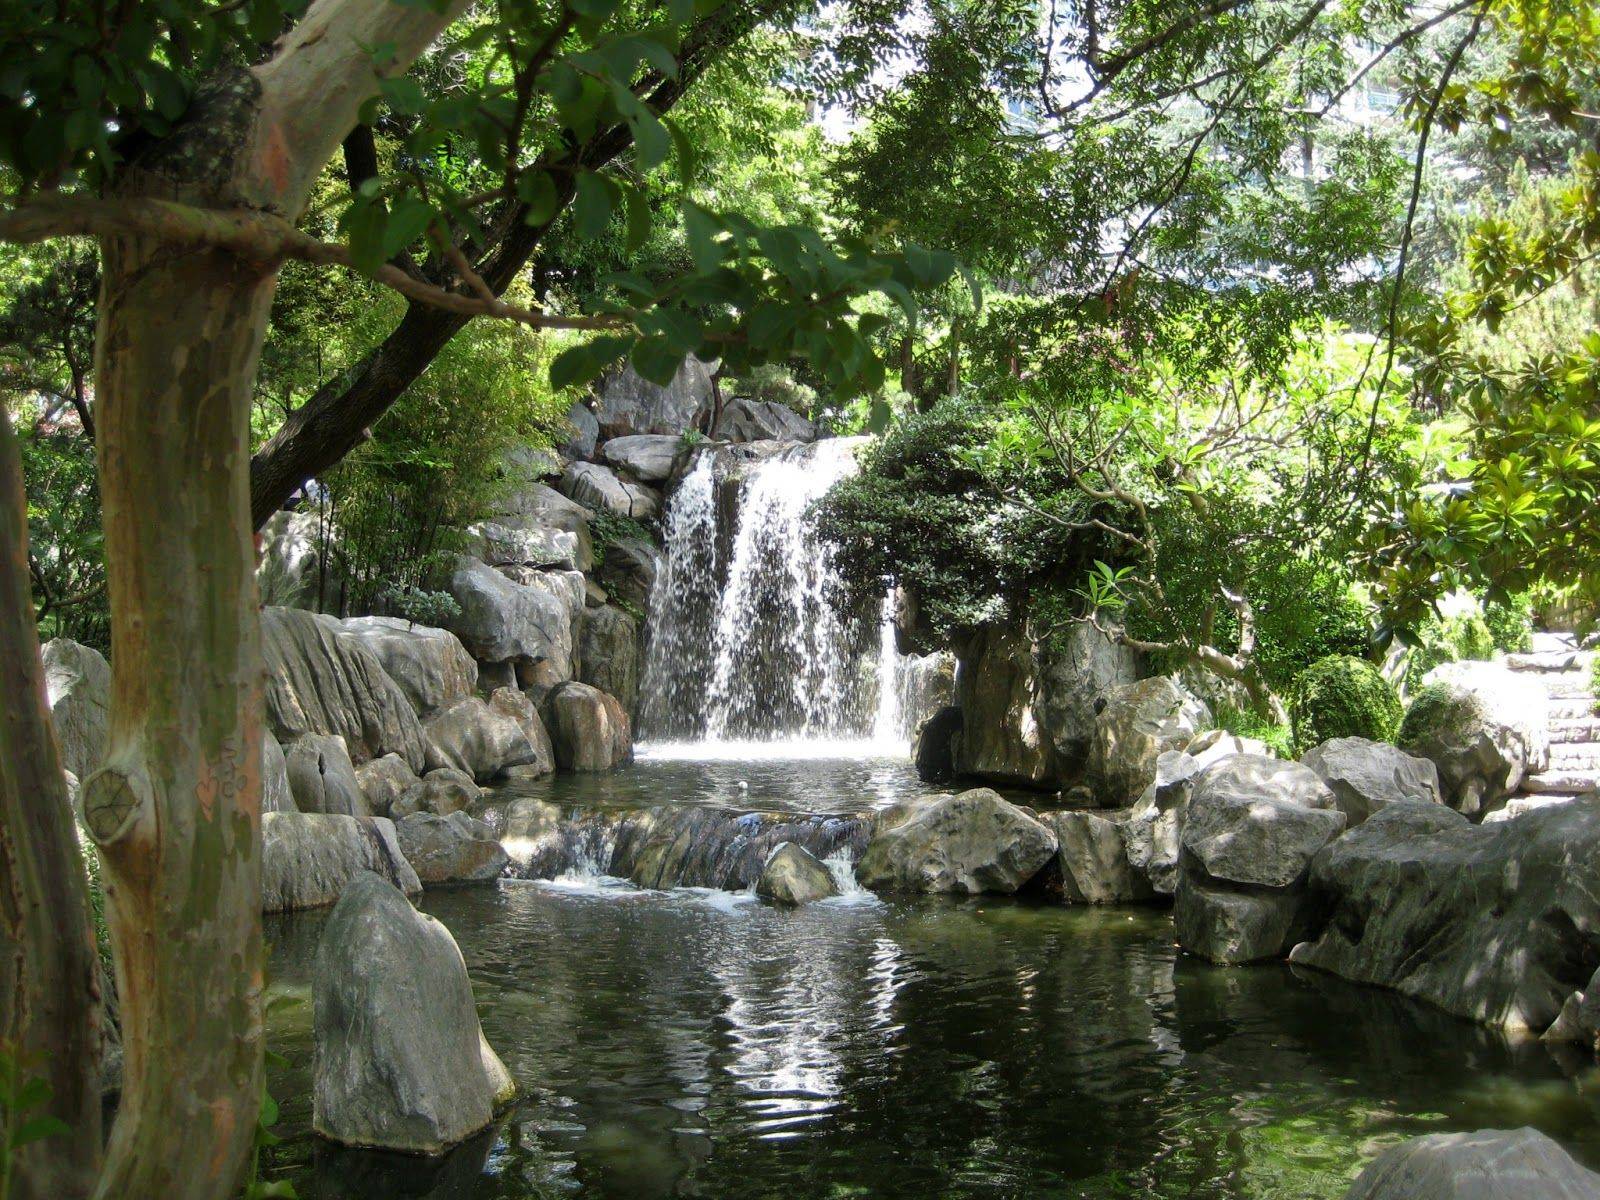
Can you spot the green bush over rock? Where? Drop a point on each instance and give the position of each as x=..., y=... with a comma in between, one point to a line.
x=1341, y=696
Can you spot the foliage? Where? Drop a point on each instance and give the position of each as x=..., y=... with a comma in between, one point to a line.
x=1510, y=623
x=775, y=382
x=66, y=545
x=47, y=327
x=1435, y=708
x=21, y=1125
x=1340, y=696
x=607, y=528
x=1247, y=723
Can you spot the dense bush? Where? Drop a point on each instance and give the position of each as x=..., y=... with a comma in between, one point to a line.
x=66, y=547
x=1510, y=623
x=1341, y=696
x=1469, y=635
x=1433, y=709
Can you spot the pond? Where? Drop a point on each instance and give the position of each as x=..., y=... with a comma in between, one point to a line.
x=699, y=1043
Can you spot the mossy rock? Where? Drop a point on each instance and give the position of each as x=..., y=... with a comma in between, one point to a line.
x=1438, y=710
x=1340, y=696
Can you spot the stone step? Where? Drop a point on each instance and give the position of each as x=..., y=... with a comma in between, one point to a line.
x=1544, y=661
x=1518, y=805
x=1566, y=756
x=1561, y=782
x=1550, y=641
x=1571, y=708
x=1574, y=729
x=1562, y=684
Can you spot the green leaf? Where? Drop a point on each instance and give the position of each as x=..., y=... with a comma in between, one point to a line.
x=595, y=201
x=364, y=225
x=36, y=1129
x=688, y=157
x=656, y=359
x=408, y=220
x=638, y=217
x=580, y=364
x=538, y=191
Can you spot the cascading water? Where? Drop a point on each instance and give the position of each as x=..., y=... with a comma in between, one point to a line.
x=746, y=643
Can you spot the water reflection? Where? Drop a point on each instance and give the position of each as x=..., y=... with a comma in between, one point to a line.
x=688, y=1044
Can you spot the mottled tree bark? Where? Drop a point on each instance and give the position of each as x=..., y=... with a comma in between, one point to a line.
x=49, y=990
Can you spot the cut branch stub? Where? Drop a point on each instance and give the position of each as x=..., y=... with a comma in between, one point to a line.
x=112, y=801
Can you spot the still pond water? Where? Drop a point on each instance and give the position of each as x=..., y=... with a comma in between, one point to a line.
x=701, y=1044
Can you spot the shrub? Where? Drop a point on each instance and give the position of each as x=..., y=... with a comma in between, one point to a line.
x=1433, y=709
x=1245, y=723
x=1341, y=696
x=1462, y=637
x=1510, y=623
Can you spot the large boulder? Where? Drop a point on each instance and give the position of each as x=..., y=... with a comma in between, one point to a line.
x=970, y=843
x=1253, y=827
x=536, y=526
x=442, y=791
x=604, y=490
x=1077, y=672
x=744, y=420
x=648, y=457
x=1499, y=922
x=528, y=622
x=473, y=737
x=1092, y=855
x=321, y=682
x=609, y=654
x=1490, y=1164
x=588, y=729
x=629, y=403
x=400, y=1056
x=1484, y=727
x=585, y=432
x=1366, y=776
x=308, y=859
x=77, y=681
x=450, y=849
x=629, y=571
x=431, y=665
x=935, y=754
x=384, y=780
x=1137, y=724
x=1001, y=738
x=793, y=876
x=511, y=703
x=322, y=778
x=276, y=794
x=295, y=570
x=926, y=683
x=1154, y=827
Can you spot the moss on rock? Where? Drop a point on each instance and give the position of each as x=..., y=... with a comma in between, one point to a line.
x=1341, y=696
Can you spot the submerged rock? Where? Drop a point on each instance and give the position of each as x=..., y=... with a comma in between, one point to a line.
x=793, y=876
x=588, y=729
x=400, y=1056
x=1367, y=776
x=974, y=842
x=1491, y=1164
x=450, y=849
x=308, y=859
x=1499, y=922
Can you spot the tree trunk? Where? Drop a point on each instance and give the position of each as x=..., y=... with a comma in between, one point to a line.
x=176, y=808
x=49, y=989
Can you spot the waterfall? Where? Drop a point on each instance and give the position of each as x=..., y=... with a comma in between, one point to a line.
x=746, y=641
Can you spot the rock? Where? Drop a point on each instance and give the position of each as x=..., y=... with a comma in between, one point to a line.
x=630, y=570
x=936, y=745
x=1077, y=672
x=399, y=1054
x=531, y=832
x=793, y=876
x=474, y=738
x=1093, y=857
x=926, y=683
x=628, y=403
x=745, y=420
x=431, y=665
x=585, y=433
x=973, y=842
x=508, y=701
x=529, y=624
x=539, y=527
x=1588, y=1015
x=1213, y=744
x=589, y=729
x=1484, y=727
x=1499, y=923
x=321, y=777
x=1491, y=1164
x=1137, y=724
x=1567, y=1028
x=603, y=490
x=441, y=792
x=293, y=572
x=450, y=849
x=1154, y=826
x=1253, y=827
x=77, y=681
x=320, y=682
x=609, y=654
x=276, y=795
x=1001, y=738
x=1365, y=775
x=308, y=859
x=384, y=780
x=648, y=457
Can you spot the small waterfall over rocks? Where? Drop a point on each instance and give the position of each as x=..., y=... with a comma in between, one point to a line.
x=746, y=643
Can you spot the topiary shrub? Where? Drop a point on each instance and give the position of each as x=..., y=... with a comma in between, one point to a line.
x=1341, y=696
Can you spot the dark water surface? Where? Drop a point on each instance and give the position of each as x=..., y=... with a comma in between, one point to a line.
x=701, y=1044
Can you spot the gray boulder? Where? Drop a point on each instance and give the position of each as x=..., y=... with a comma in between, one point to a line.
x=609, y=654
x=442, y=791
x=1093, y=858
x=399, y=1051
x=77, y=681
x=588, y=729
x=1154, y=827
x=1484, y=727
x=585, y=432
x=630, y=570
x=510, y=702
x=276, y=795
x=384, y=780
x=793, y=876
x=1491, y=1164
x=320, y=682
x=628, y=403
x=539, y=527
x=970, y=843
x=648, y=457
x=1001, y=737
x=308, y=859
x=926, y=684
x=1366, y=776
x=322, y=778
x=475, y=738
x=431, y=665
x=528, y=623
x=744, y=420
x=1077, y=672
x=531, y=832
x=450, y=849
x=603, y=490
x=1136, y=725
x=1499, y=923
x=294, y=571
